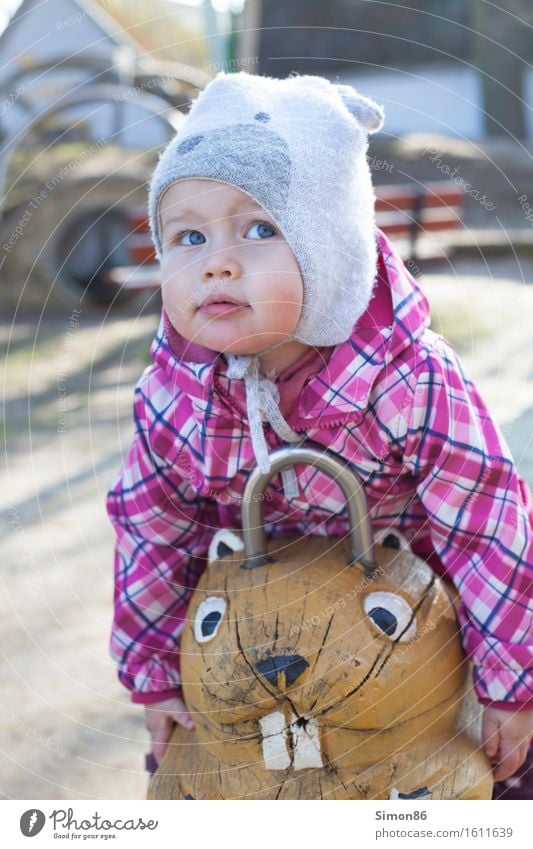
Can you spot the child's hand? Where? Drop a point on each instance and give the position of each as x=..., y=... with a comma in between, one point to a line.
x=506, y=737
x=160, y=719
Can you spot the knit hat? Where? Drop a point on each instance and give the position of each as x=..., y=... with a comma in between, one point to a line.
x=298, y=147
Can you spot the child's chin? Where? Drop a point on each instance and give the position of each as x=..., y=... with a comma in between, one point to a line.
x=239, y=348
x=245, y=351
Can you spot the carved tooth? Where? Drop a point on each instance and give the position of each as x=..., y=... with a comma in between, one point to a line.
x=275, y=753
x=306, y=742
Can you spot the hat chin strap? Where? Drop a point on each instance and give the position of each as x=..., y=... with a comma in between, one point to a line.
x=262, y=396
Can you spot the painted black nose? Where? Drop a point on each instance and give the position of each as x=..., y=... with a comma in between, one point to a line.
x=291, y=664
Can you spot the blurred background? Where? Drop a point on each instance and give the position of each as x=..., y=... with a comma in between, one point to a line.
x=90, y=92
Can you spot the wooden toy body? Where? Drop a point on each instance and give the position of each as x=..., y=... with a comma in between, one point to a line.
x=306, y=679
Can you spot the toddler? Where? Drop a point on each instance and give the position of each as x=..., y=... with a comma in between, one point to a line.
x=287, y=316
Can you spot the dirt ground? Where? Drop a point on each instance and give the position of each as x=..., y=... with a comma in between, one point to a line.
x=68, y=730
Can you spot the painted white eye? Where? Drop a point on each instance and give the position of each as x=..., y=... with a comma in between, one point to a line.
x=391, y=614
x=208, y=617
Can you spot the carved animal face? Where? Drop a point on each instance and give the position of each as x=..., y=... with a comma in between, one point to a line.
x=304, y=660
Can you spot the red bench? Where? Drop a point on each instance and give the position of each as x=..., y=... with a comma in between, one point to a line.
x=409, y=209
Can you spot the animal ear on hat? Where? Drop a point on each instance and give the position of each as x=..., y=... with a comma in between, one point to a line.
x=365, y=110
x=223, y=543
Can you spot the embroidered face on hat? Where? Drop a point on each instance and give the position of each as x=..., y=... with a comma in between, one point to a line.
x=298, y=147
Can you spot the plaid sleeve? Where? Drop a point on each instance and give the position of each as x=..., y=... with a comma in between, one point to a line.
x=161, y=544
x=480, y=516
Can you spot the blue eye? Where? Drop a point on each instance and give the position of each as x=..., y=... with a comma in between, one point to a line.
x=191, y=237
x=263, y=231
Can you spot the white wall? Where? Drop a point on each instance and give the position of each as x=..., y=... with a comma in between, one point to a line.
x=528, y=105
x=445, y=100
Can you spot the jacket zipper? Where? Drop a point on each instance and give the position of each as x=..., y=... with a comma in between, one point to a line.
x=334, y=423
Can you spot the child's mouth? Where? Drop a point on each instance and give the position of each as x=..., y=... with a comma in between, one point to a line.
x=222, y=308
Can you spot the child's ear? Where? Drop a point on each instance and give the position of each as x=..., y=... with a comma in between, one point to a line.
x=367, y=112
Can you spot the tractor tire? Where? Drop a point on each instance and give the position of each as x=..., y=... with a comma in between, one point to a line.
x=54, y=254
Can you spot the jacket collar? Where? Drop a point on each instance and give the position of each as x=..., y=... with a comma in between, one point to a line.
x=397, y=314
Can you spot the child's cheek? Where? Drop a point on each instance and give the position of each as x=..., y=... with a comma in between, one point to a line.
x=176, y=306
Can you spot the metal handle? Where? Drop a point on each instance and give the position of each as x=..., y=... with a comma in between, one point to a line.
x=362, y=538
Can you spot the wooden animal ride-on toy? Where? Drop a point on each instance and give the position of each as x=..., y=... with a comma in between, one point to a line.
x=311, y=674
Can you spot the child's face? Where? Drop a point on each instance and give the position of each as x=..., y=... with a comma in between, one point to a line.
x=218, y=242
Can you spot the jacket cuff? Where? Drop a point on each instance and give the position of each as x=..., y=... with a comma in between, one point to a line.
x=502, y=670
x=510, y=706
x=151, y=698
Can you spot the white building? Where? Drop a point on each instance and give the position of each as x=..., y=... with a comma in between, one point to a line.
x=51, y=48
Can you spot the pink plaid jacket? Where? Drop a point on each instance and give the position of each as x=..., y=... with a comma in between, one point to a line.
x=395, y=403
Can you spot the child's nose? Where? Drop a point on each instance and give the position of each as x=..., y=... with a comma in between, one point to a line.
x=222, y=264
